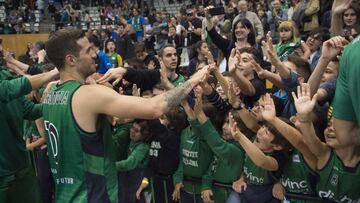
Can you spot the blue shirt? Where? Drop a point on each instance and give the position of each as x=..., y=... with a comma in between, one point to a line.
x=105, y=63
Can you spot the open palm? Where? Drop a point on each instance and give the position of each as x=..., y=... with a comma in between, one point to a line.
x=339, y=6
x=303, y=102
x=268, y=112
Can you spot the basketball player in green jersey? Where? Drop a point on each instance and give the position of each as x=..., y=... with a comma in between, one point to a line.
x=81, y=153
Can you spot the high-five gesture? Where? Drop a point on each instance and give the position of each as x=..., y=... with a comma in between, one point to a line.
x=269, y=111
x=303, y=102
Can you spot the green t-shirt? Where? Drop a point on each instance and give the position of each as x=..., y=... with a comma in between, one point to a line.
x=14, y=108
x=347, y=95
x=82, y=163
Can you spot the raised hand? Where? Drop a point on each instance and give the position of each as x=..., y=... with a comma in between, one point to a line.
x=112, y=74
x=339, y=6
x=270, y=51
x=200, y=75
x=209, y=57
x=332, y=47
x=41, y=54
x=234, y=130
x=151, y=65
x=303, y=102
x=234, y=99
x=8, y=57
x=198, y=108
x=135, y=91
x=233, y=60
x=258, y=69
x=268, y=111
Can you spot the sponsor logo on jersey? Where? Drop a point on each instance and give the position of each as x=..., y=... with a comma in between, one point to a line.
x=334, y=179
x=330, y=195
x=294, y=185
x=253, y=178
x=296, y=158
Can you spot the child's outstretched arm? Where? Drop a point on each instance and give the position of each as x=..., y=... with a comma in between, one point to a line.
x=291, y=134
x=256, y=155
x=304, y=106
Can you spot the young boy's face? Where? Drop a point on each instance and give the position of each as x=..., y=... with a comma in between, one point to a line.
x=331, y=72
x=264, y=138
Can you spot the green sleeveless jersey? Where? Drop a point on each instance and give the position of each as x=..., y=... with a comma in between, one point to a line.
x=298, y=177
x=338, y=182
x=82, y=163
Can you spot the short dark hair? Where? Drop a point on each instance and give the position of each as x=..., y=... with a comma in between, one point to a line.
x=278, y=137
x=95, y=40
x=256, y=54
x=323, y=33
x=161, y=51
x=106, y=43
x=61, y=43
x=139, y=46
x=39, y=45
x=302, y=66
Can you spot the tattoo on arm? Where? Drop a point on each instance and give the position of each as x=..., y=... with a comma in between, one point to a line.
x=176, y=95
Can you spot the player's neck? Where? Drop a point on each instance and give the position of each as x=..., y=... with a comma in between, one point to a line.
x=67, y=76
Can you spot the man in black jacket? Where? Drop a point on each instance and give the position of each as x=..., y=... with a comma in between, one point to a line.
x=124, y=44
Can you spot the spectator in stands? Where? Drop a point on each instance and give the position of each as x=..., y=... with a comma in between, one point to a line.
x=194, y=26
x=314, y=42
x=104, y=63
x=160, y=30
x=350, y=20
x=138, y=24
x=306, y=15
x=200, y=50
x=290, y=42
x=251, y=16
x=243, y=35
x=40, y=5
x=176, y=39
x=124, y=44
x=275, y=17
x=264, y=19
x=149, y=60
x=114, y=57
